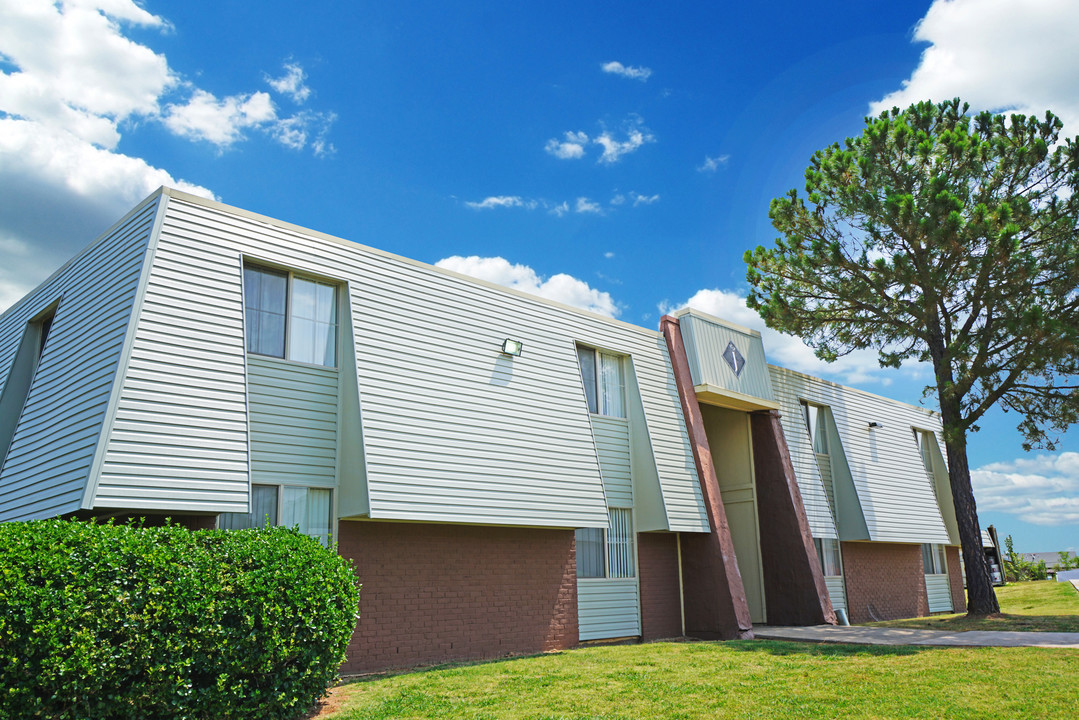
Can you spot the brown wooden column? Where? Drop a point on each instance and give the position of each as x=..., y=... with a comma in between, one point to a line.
x=794, y=589
x=713, y=594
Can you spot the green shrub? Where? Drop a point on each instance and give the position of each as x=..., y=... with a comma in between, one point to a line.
x=119, y=621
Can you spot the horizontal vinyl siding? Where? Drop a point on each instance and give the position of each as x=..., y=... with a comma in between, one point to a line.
x=939, y=590
x=52, y=451
x=896, y=496
x=607, y=608
x=612, y=446
x=706, y=342
x=452, y=430
x=293, y=420
x=789, y=389
x=179, y=438
x=837, y=591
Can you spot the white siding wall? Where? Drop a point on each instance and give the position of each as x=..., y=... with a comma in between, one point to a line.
x=789, y=388
x=293, y=418
x=52, y=451
x=837, y=591
x=179, y=440
x=612, y=446
x=895, y=494
x=939, y=590
x=453, y=431
x=607, y=608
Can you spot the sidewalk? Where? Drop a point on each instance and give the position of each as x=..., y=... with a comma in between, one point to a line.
x=857, y=635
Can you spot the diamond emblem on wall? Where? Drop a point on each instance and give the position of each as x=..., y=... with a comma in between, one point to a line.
x=734, y=359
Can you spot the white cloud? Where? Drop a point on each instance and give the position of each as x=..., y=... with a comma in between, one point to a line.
x=636, y=134
x=1041, y=489
x=627, y=71
x=618, y=199
x=292, y=83
x=561, y=287
x=584, y=205
x=560, y=209
x=502, y=201
x=860, y=366
x=609, y=254
x=71, y=81
x=644, y=199
x=221, y=122
x=998, y=56
x=571, y=148
x=711, y=164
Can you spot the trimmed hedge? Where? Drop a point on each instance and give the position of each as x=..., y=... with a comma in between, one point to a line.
x=120, y=621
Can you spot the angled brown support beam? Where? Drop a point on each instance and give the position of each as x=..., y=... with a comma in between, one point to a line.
x=713, y=593
x=794, y=589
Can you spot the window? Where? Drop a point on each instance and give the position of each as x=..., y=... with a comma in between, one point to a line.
x=814, y=416
x=926, y=440
x=933, y=560
x=292, y=506
x=607, y=553
x=604, y=382
x=828, y=553
x=291, y=317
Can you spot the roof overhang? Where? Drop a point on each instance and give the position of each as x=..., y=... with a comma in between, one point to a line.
x=721, y=397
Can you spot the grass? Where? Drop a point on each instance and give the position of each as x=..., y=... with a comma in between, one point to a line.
x=741, y=679
x=1040, y=606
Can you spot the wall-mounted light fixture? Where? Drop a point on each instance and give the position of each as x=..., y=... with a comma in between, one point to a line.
x=875, y=426
x=512, y=347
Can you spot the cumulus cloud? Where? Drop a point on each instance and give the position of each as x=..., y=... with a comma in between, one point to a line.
x=636, y=136
x=71, y=81
x=860, y=366
x=586, y=206
x=560, y=209
x=1042, y=489
x=711, y=164
x=997, y=56
x=627, y=71
x=571, y=148
x=292, y=83
x=561, y=287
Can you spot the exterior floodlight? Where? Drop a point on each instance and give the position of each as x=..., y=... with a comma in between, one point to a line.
x=875, y=426
x=512, y=347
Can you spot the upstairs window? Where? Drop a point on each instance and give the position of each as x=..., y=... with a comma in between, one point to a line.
x=607, y=553
x=814, y=416
x=289, y=316
x=604, y=382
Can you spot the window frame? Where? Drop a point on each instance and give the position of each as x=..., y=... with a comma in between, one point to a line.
x=937, y=557
x=291, y=276
x=279, y=505
x=598, y=383
x=626, y=547
x=836, y=559
x=814, y=413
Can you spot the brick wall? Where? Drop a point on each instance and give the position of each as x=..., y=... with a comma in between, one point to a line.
x=661, y=608
x=955, y=579
x=887, y=576
x=433, y=593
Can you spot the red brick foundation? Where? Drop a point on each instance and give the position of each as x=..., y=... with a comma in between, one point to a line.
x=661, y=608
x=885, y=580
x=433, y=593
x=955, y=579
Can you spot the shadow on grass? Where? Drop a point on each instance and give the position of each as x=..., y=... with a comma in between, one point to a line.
x=453, y=665
x=785, y=647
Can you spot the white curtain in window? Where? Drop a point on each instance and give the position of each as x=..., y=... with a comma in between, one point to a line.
x=263, y=510
x=620, y=543
x=309, y=510
x=828, y=554
x=313, y=323
x=587, y=358
x=612, y=386
x=264, y=311
x=590, y=553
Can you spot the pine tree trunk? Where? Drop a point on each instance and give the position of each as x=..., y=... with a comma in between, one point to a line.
x=981, y=599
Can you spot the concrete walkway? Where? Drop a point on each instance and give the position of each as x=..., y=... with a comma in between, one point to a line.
x=857, y=635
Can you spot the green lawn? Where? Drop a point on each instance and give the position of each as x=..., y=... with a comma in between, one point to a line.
x=742, y=679
x=1044, y=606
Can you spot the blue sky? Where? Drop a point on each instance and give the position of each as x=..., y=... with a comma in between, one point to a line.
x=616, y=156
